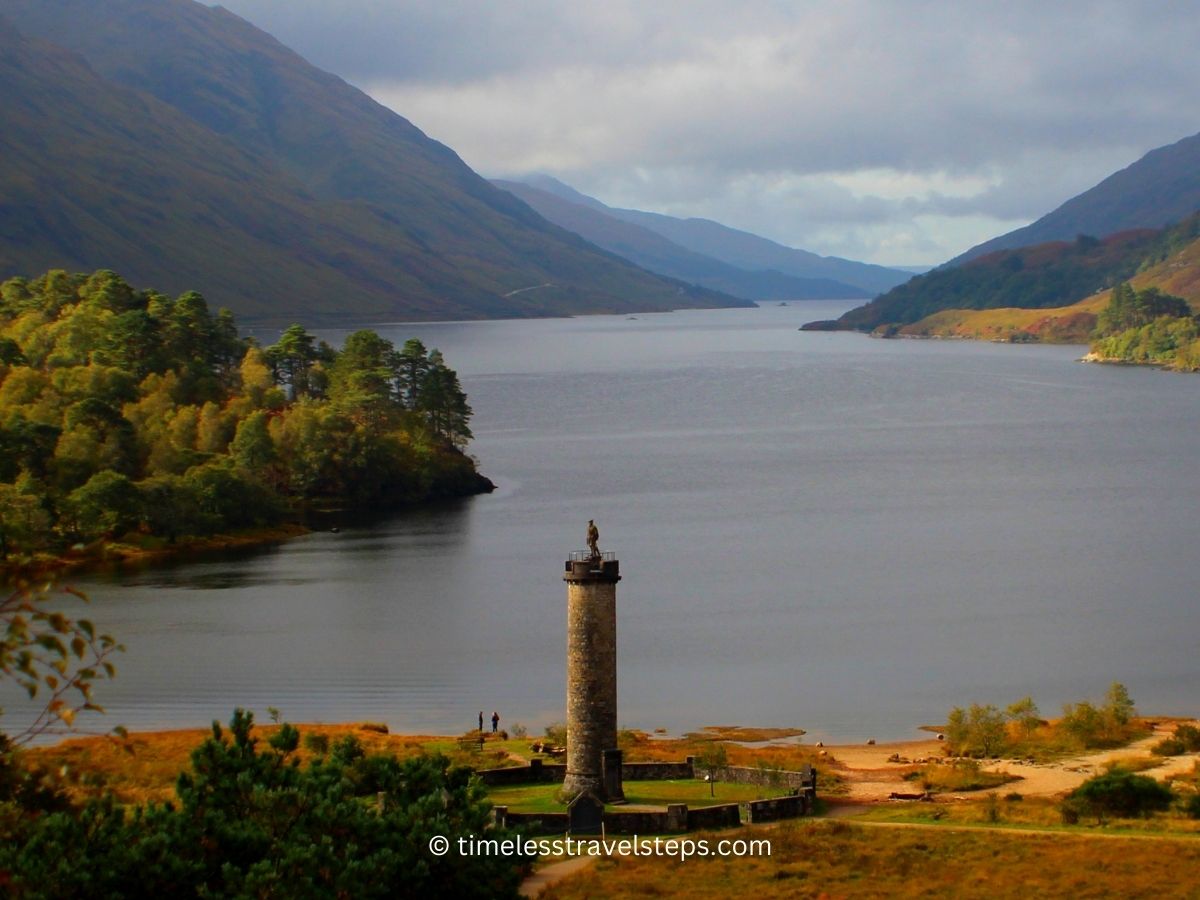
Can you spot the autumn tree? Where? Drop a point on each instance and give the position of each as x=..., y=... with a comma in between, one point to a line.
x=1025, y=714
x=444, y=403
x=51, y=656
x=977, y=731
x=100, y=379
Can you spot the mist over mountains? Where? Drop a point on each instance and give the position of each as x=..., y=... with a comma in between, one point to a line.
x=702, y=251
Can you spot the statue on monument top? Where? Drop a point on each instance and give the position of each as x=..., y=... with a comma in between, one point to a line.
x=593, y=539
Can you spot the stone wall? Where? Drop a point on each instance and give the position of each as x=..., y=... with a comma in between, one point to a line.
x=636, y=822
x=534, y=823
x=725, y=816
x=805, y=778
x=537, y=772
x=775, y=809
x=658, y=771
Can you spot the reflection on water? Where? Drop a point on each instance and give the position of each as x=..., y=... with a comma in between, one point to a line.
x=820, y=530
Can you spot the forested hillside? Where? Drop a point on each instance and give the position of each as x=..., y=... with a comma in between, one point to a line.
x=181, y=146
x=132, y=413
x=1045, y=276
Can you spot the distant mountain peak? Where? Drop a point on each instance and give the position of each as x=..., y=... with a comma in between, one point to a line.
x=1161, y=188
x=741, y=249
x=552, y=185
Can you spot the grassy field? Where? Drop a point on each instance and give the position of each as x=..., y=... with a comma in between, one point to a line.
x=543, y=797
x=1011, y=810
x=146, y=766
x=957, y=775
x=838, y=859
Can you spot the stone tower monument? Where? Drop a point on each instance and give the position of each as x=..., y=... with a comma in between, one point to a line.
x=593, y=760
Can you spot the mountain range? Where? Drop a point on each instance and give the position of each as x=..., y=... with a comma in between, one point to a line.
x=185, y=148
x=704, y=252
x=1159, y=189
x=1134, y=219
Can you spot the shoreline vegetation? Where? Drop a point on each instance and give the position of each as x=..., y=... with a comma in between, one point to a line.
x=1122, y=326
x=1144, y=312
x=136, y=426
x=148, y=550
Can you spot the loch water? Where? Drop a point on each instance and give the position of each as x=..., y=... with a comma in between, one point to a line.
x=818, y=530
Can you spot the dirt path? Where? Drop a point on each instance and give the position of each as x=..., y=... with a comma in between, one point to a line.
x=871, y=776
x=1054, y=778
x=555, y=872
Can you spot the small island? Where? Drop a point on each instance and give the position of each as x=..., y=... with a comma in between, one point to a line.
x=135, y=423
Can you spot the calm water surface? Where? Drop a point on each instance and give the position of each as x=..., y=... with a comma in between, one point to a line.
x=820, y=530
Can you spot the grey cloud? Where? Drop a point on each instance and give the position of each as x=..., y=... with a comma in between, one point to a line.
x=679, y=104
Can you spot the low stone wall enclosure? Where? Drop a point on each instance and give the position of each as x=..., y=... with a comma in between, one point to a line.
x=677, y=817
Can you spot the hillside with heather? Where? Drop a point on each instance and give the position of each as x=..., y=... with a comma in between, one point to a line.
x=1160, y=188
x=1173, y=273
x=1040, y=277
x=180, y=145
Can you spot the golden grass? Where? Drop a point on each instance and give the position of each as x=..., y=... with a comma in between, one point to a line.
x=1133, y=763
x=958, y=775
x=1179, y=275
x=1064, y=324
x=146, y=766
x=837, y=859
x=1027, y=812
x=740, y=733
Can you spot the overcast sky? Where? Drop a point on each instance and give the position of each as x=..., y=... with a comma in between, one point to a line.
x=893, y=131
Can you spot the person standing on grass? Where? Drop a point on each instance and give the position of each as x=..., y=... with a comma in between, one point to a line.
x=495, y=722
x=481, y=720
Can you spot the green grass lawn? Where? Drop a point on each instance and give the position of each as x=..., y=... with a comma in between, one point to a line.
x=695, y=793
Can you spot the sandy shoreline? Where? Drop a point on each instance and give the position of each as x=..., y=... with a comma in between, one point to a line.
x=872, y=778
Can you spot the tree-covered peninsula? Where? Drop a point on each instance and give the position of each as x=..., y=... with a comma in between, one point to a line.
x=1149, y=327
x=128, y=414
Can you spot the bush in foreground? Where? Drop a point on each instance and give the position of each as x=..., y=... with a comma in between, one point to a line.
x=253, y=822
x=1118, y=793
